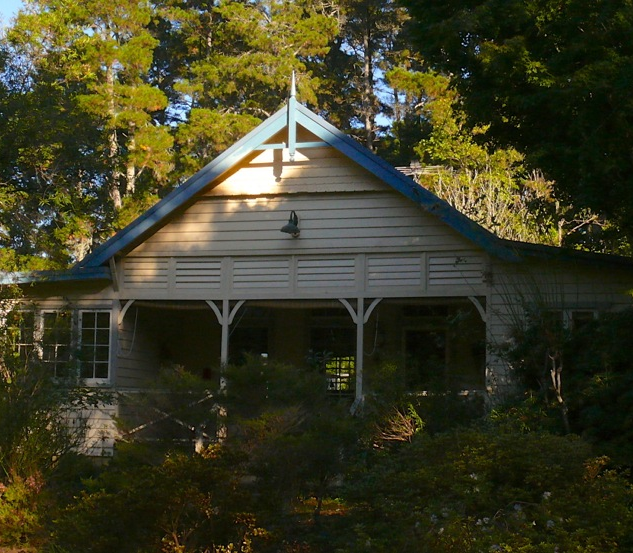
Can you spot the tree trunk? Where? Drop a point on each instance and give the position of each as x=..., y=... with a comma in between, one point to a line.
x=368, y=88
x=113, y=145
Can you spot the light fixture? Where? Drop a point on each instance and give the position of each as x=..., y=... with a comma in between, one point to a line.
x=291, y=227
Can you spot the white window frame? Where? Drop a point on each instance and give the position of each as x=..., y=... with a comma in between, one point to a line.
x=23, y=347
x=80, y=316
x=75, y=341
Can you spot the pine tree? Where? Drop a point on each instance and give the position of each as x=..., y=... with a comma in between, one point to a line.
x=98, y=143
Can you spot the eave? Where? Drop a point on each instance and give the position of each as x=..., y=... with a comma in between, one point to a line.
x=87, y=274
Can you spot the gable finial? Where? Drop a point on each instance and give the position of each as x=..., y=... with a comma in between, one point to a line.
x=292, y=124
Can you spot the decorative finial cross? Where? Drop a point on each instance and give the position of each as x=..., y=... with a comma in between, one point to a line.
x=292, y=123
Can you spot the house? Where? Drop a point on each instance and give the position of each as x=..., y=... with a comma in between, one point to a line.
x=299, y=244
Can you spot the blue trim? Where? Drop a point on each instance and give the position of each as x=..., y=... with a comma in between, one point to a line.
x=43, y=277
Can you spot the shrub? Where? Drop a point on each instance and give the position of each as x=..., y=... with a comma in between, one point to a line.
x=489, y=490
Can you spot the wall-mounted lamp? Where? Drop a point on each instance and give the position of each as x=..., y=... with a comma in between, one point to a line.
x=292, y=226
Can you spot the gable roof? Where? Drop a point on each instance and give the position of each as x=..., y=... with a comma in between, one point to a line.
x=288, y=117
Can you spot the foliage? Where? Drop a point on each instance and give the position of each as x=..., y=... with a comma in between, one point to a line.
x=41, y=429
x=552, y=80
x=235, y=67
x=488, y=490
x=581, y=371
x=295, y=440
x=599, y=383
x=285, y=444
x=19, y=516
x=107, y=107
x=80, y=118
x=184, y=503
x=40, y=417
x=489, y=184
x=368, y=44
x=297, y=473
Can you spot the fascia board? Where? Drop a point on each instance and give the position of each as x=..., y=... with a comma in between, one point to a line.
x=178, y=197
x=42, y=277
x=556, y=253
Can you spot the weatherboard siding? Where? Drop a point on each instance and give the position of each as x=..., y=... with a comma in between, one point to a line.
x=328, y=222
x=137, y=355
x=354, y=241
x=101, y=430
x=550, y=286
x=313, y=170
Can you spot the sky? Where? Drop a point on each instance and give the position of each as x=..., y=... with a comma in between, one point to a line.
x=8, y=8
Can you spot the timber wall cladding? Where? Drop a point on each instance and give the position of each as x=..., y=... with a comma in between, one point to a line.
x=296, y=275
x=313, y=170
x=328, y=222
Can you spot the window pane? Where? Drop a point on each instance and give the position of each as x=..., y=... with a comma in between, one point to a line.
x=87, y=354
x=56, y=341
x=86, y=370
x=103, y=320
x=102, y=337
x=63, y=353
x=21, y=325
x=101, y=370
x=48, y=353
x=88, y=319
x=101, y=353
x=49, y=320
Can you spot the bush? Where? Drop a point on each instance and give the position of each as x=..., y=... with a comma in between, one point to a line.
x=489, y=490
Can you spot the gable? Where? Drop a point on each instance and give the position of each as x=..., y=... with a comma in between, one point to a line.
x=357, y=233
x=340, y=205
x=292, y=129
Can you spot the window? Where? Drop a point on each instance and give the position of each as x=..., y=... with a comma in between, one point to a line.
x=56, y=341
x=334, y=350
x=94, y=344
x=63, y=339
x=340, y=374
x=21, y=325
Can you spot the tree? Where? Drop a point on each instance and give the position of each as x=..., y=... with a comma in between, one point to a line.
x=87, y=139
x=489, y=184
x=552, y=80
x=364, y=49
x=239, y=60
